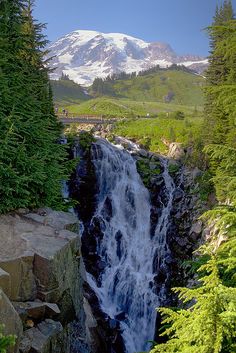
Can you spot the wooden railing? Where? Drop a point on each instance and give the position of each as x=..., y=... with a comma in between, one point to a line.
x=86, y=119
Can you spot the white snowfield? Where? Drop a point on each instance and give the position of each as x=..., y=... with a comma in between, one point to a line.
x=85, y=55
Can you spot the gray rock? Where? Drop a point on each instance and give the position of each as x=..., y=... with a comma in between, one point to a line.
x=176, y=150
x=154, y=157
x=40, y=260
x=196, y=227
x=196, y=172
x=50, y=328
x=178, y=194
x=46, y=337
x=10, y=318
x=51, y=310
x=57, y=219
x=153, y=165
x=5, y=282
x=36, y=310
x=143, y=153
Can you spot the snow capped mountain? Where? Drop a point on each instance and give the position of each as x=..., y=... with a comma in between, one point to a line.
x=85, y=55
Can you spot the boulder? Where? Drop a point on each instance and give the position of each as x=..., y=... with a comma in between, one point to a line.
x=196, y=172
x=143, y=153
x=5, y=282
x=36, y=310
x=178, y=194
x=176, y=150
x=56, y=219
x=11, y=320
x=40, y=259
x=45, y=338
x=196, y=227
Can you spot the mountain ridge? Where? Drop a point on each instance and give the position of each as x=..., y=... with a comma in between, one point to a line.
x=85, y=55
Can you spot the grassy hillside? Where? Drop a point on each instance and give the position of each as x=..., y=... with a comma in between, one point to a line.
x=125, y=108
x=67, y=92
x=151, y=132
x=166, y=86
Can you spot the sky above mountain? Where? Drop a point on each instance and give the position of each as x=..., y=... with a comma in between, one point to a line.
x=179, y=23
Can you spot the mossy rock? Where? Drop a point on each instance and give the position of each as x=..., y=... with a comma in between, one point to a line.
x=147, y=170
x=173, y=169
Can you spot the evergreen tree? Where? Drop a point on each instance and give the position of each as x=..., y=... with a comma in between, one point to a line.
x=208, y=324
x=220, y=96
x=221, y=32
x=30, y=158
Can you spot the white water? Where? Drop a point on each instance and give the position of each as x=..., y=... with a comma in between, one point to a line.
x=127, y=247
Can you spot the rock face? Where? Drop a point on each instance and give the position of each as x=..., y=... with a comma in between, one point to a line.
x=10, y=318
x=40, y=272
x=176, y=151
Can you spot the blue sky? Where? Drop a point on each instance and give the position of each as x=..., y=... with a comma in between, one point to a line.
x=179, y=23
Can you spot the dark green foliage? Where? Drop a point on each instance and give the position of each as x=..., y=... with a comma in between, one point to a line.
x=145, y=171
x=172, y=134
x=178, y=115
x=66, y=91
x=206, y=185
x=102, y=87
x=221, y=74
x=64, y=77
x=31, y=160
x=173, y=169
x=208, y=323
x=6, y=341
x=86, y=139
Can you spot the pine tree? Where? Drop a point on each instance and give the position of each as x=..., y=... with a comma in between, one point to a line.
x=208, y=323
x=30, y=158
x=218, y=70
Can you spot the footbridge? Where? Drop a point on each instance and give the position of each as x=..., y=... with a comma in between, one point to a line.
x=67, y=119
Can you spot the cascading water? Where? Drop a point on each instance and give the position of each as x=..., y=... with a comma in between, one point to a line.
x=125, y=287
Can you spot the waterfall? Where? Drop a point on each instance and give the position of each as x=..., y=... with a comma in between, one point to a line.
x=128, y=252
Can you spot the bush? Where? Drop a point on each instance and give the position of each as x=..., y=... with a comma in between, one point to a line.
x=178, y=115
x=6, y=341
x=86, y=139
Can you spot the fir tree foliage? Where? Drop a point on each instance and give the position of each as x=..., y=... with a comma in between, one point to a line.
x=208, y=325
x=31, y=160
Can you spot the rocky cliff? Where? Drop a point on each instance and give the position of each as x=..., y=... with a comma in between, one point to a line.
x=41, y=280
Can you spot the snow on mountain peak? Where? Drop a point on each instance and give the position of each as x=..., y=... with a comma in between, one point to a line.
x=85, y=55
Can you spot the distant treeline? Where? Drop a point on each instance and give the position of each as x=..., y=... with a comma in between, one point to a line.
x=103, y=86
x=127, y=76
